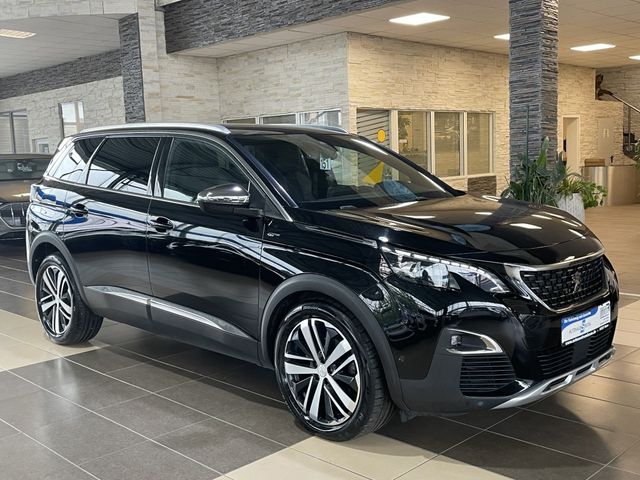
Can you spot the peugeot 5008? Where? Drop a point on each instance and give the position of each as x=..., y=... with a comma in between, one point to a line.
x=365, y=282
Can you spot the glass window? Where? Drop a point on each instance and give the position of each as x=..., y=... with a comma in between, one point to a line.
x=195, y=166
x=323, y=171
x=478, y=143
x=41, y=145
x=123, y=164
x=72, y=117
x=71, y=166
x=328, y=118
x=14, y=132
x=412, y=136
x=274, y=119
x=248, y=120
x=6, y=133
x=447, y=144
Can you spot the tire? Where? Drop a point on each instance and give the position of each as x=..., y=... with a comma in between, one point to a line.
x=347, y=360
x=65, y=317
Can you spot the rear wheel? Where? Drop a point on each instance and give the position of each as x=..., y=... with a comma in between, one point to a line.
x=329, y=372
x=63, y=314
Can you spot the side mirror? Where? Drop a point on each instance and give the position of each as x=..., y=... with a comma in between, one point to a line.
x=227, y=198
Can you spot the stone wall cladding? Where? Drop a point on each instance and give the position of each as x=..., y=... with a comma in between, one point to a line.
x=197, y=23
x=624, y=82
x=533, y=78
x=131, y=65
x=83, y=70
x=303, y=76
x=395, y=74
x=102, y=101
x=482, y=185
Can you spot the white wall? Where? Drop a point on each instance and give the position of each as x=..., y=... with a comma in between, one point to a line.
x=103, y=105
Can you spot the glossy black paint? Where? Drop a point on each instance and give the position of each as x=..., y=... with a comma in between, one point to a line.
x=242, y=269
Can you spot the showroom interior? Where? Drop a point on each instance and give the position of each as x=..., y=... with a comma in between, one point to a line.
x=464, y=91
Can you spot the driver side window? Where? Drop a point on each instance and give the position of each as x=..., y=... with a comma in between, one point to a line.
x=193, y=166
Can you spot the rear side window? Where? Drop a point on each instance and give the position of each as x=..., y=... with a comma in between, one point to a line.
x=194, y=166
x=123, y=164
x=74, y=161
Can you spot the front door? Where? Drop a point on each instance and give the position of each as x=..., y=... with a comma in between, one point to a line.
x=204, y=267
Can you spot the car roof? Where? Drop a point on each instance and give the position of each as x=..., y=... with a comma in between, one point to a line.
x=25, y=156
x=226, y=129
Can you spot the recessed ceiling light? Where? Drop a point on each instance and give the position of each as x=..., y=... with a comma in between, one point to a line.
x=419, y=19
x=15, y=33
x=502, y=36
x=635, y=57
x=593, y=47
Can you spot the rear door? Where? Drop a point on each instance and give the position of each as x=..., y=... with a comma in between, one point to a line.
x=107, y=225
x=204, y=267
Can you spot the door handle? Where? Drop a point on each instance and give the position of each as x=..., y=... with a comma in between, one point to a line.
x=78, y=210
x=161, y=224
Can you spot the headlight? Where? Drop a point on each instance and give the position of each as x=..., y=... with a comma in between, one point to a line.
x=437, y=272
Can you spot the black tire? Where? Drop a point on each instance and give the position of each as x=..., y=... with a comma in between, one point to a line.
x=75, y=323
x=372, y=406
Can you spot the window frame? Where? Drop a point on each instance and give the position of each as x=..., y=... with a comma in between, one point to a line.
x=12, y=128
x=61, y=117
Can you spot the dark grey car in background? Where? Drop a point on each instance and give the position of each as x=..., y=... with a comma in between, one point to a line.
x=17, y=173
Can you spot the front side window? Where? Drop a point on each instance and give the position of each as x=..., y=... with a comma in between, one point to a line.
x=194, y=166
x=123, y=164
x=323, y=171
x=71, y=166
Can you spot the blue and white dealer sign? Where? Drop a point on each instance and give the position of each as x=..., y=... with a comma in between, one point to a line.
x=582, y=325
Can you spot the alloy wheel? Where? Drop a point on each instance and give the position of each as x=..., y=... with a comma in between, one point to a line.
x=322, y=373
x=55, y=300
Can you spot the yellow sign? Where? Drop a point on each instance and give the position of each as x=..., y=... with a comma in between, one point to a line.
x=382, y=135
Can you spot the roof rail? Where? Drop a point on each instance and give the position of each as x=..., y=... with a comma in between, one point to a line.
x=325, y=127
x=140, y=126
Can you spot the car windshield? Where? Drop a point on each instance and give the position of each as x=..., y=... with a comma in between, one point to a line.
x=23, y=169
x=324, y=171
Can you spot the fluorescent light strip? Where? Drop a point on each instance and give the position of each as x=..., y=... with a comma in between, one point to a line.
x=15, y=33
x=502, y=36
x=634, y=57
x=421, y=18
x=593, y=47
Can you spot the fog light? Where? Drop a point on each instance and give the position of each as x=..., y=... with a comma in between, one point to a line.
x=463, y=342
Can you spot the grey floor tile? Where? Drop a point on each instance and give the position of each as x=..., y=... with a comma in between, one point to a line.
x=429, y=433
x=152, y=415
x=156, y=347
x=86, y=437
x=484, y=418
x=100, y=395
x=120, y=333
x=614, y=474
x=622, y=351
x=519, y=460
x=34, y=410
x=211, y=397
x=203, y=362
x=585, y=441
x=621, y=370
x=17, y=288
x=108, y=359
x=154, y=376
x=54, y=374
x=608, y=389
x=633, y=357
x=24, y=459
x=591, y=411
x=219, y=445
x=269, y=419
x=253, y=378
x=12, y=386
x=629, y=460
x=6, y=430
x=148, y=461
x=17, y=305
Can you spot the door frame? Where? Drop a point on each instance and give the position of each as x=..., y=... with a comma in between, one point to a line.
x=577, y=142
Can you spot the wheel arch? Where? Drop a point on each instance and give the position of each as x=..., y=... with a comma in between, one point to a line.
x=295, y=288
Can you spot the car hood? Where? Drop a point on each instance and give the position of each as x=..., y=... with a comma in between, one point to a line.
x=15, y=190
x=467, y=225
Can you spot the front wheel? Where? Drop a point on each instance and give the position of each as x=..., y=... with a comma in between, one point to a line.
x=329, y=372
x=63, y=314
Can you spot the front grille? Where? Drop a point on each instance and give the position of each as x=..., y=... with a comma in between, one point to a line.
x=563, y=287
x=483, y=375
x=557, y=360
x=14, y=214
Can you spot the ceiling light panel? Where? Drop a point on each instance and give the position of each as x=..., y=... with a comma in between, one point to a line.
x=593, y=47
x=15, y=33
x=417, y=19
x=502, y=36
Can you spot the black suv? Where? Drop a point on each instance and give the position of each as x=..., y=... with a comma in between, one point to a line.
x=364, y=281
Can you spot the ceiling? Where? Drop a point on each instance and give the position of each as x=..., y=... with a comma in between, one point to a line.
x=472, y=26
x=57, y=40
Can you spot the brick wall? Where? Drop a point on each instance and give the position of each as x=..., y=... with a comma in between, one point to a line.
x=103, y=105
x=302, y=76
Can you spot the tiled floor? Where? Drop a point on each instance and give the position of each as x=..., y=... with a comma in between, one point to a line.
x=134, y=406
